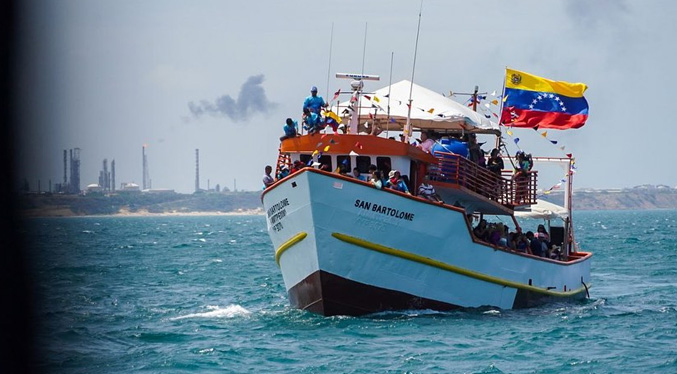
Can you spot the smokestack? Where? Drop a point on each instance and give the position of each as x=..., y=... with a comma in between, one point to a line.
x=74, y=186
x=197, y=170
x=106, y=181
x=65, y=169
x=112, y=171
x=146, y=177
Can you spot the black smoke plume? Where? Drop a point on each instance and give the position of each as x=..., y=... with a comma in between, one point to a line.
x=251, y=100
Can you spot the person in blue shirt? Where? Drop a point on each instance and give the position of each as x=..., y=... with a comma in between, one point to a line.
x=312, y=121
x=396, y=183
x=314, y=103
x=290, y=129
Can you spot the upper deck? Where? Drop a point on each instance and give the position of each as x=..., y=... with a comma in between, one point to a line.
x=459, y=180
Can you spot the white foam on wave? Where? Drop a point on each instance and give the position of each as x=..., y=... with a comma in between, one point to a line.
x=214, y=311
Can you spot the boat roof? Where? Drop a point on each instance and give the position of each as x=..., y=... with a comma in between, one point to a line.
x=430, y=110
x=354, y=144
x=542, y=210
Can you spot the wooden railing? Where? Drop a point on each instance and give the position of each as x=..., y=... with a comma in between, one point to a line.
x=510, y=190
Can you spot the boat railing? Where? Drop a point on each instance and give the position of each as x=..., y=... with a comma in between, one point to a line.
x=451, y=168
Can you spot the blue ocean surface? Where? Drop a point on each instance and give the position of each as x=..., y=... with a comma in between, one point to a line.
x=204, y=294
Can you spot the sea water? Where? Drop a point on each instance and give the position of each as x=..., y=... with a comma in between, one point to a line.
x=204, y=294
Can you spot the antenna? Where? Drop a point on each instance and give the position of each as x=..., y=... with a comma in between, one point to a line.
x=407, y=127
x=390, y=84
x=356, y=85
x=331, y=42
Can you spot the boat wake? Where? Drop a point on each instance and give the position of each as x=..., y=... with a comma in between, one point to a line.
x=230, y=311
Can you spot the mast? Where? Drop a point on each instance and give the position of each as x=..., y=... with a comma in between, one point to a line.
x=407, y=126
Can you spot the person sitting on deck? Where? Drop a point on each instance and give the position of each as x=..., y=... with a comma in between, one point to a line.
x=480, y=230
x=314, y=103
x=284, y=171
x=426, y=142
x=296, y=166
x=357, y=175
x=522, y=244
x=535, y=244
x=542, y=235
x=312, y=121
x=427, y=190
x=396, y=183
x=376, y=179
x=290, y=129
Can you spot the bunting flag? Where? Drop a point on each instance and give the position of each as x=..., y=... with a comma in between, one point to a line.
x=368, y=97
x=353, y=153
x=336, y=94
x=431, y=110
x=310, y=162
x=332, y=119
x=495, y=102
x=540, y=101
x=326, y=148
x=358, y=145
x=376, y=99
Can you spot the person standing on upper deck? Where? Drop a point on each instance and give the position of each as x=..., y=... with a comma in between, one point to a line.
x=314, y=102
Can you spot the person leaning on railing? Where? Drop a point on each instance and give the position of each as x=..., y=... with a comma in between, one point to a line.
x=521, y=177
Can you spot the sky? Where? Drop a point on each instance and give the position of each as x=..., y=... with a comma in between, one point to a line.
x=222, y=76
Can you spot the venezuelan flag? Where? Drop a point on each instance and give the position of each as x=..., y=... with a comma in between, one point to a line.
x=531, y=101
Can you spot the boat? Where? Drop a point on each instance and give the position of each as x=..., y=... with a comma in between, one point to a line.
x=345, y=247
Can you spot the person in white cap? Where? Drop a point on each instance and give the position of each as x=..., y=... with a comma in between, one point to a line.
x=396, y=183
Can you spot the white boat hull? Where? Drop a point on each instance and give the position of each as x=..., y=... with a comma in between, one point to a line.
x=346, y=248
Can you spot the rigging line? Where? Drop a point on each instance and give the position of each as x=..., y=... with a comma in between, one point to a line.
x=407, y=126
x=364, y=49
x=331, y=42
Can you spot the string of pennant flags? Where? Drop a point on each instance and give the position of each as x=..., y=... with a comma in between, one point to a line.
x=488, y=106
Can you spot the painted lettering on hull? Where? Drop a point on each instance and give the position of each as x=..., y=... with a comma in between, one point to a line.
x=385, y=210
x=276, y=213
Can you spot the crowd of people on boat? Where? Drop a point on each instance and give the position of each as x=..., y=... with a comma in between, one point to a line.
x=377, y=178
x=534, y=243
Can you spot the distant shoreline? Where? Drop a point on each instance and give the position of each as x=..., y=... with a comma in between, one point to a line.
x=66, y=213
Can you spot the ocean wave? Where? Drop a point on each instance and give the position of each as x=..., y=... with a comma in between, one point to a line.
x=230, y=311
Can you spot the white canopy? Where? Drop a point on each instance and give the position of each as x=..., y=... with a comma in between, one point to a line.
x=430, y=110
x=543, y=210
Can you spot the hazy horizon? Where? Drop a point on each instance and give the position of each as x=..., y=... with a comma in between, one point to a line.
x=108, y=77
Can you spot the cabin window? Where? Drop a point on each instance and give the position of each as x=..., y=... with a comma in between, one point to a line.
x=383, y=164
x=345, y=161
x=363, y=163
x=306, y=159
x=326, y=160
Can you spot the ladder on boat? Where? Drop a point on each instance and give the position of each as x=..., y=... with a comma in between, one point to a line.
x=282, y=159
